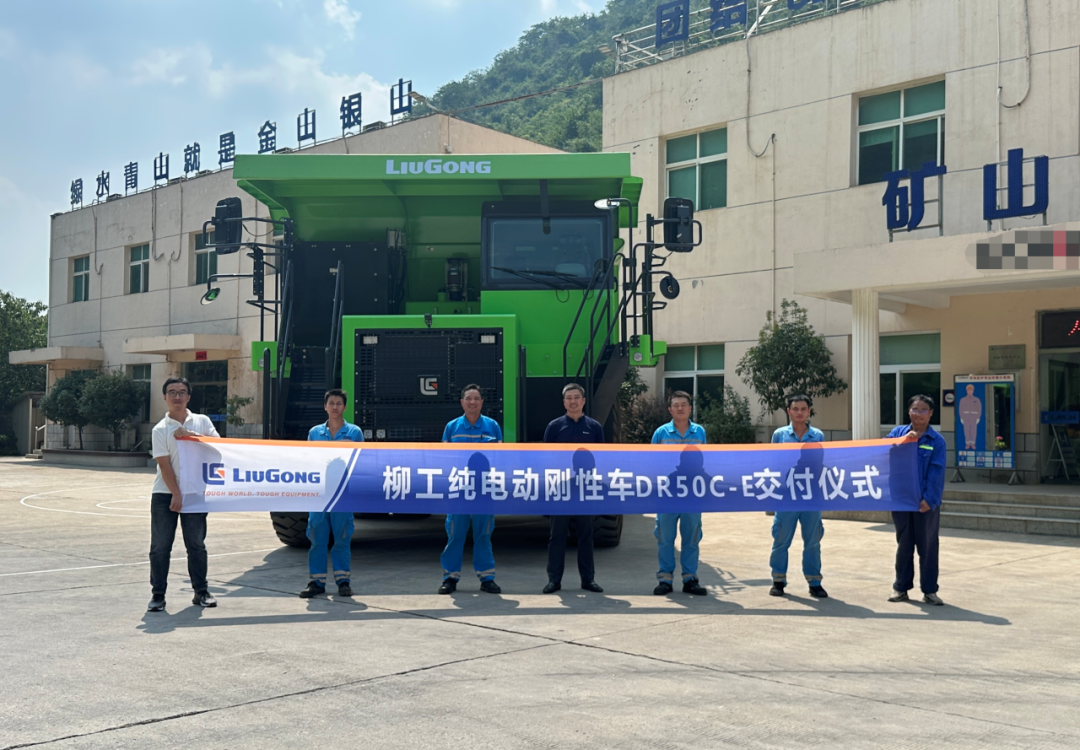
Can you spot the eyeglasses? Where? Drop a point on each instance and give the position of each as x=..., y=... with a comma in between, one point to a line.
x=176, y=393
x=918, y=411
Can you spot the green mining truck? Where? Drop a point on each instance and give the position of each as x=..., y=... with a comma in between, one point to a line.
x=403, y=278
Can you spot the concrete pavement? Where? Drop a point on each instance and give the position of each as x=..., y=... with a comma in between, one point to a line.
x=397, y=666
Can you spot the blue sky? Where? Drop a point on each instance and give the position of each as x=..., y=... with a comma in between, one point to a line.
x=91, y=86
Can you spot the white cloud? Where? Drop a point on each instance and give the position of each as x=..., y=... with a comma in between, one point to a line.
x=338, y=12
x=286, y=74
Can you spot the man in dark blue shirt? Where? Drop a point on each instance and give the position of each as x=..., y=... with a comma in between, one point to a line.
x=574, y=427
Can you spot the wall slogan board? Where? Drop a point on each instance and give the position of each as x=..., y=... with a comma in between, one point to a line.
x=986, y=421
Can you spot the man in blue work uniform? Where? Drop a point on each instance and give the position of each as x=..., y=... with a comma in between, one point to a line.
x=341, y=524
x=573, y=427
x=679, y=431
x=785, y=522
x=471, y=427
x=918, y=530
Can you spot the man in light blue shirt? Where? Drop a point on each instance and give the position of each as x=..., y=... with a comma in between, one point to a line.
x=471, y=427
x=679, y=431
x=341, y=524
x=784, y=522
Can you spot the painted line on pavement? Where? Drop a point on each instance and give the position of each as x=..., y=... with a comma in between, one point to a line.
x=122, y=565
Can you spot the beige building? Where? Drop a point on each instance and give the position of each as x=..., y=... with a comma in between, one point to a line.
x=126, y=277
x=785, y=164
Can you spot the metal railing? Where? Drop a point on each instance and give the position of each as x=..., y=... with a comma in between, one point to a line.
x=335, y=325
x=284, y=340
x=637, y=48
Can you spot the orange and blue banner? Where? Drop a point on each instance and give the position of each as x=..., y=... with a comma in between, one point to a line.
x=219, y=474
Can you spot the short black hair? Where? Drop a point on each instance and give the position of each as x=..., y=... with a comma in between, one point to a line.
x=680, y=394
x=928, y=400
x=573, y=387
x=335, y=392
x=795, y=398
x=472, y=387
x=182, y=381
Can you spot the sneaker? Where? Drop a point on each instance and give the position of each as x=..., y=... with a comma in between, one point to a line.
x=591, y=586
x=818, y=593
x=157, y=603
x=663, y=588
x=314, y=588
x=344, y=589
x=552, y=587
x=932, y=599
x=204, y=599
x=449, y=586
x=490, y=587
x=899, y=596
x=691, y=586
x=777, y=588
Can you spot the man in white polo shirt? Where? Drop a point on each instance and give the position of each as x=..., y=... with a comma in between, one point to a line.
x=166, y=500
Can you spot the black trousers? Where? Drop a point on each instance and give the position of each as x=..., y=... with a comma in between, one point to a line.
x=560, y=530
x=162, y=533
x=917, y=531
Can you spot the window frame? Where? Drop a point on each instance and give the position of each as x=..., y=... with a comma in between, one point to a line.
x=80, y=279
x=902, y=122
x=697, y=162
x=131, y=373
x=198, y=253
x=144, y=270
x=695, y=373
x=900, y=371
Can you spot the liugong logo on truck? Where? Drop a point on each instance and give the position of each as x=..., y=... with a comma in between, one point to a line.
x=438, y=166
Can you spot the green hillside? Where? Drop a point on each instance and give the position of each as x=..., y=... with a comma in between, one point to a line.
x=555, y=53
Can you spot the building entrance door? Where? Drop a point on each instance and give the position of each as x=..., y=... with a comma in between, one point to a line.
x=1059, y=391
x=209, y=389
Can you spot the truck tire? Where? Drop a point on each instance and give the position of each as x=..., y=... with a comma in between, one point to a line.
x=607, y=531
x=291, y=528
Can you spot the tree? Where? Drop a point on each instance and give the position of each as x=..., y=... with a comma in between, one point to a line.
x=789, y=358
x=63, y=403
x=233, y=406
x=728, y=420
x=110, y=401
x=23, y=325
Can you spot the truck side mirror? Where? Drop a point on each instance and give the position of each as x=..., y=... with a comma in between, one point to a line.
x=228, y=226
x=679, y=225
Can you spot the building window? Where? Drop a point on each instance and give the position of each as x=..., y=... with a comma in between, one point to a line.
x=697, y=168
x=901, y=130
x=698, y=370
x=205, y=258
x=909, y=364
x=209, y=390
x=141, y=374
x=80, y=279
x=139, y=269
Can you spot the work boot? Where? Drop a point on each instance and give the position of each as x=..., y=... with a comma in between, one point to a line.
x=663, y=588
x=344, y=589
x=449, y=586
x=777, y=588
x=818, y=593
x=490, y=587
x=314, y=588
x=691, y=586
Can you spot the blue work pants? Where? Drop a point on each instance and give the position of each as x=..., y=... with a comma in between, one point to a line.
x=318, y=531
x=917, y=531
x=689, y=525
x=457, y=528
x=783, y=532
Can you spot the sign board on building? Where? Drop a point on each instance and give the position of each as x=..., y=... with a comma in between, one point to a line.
x=1060, y=417
x=200, y=356
x=986, y=421
x=948, y=398
x=1010, y=357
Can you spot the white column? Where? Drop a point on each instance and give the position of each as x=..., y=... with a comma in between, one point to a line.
x=865, y=385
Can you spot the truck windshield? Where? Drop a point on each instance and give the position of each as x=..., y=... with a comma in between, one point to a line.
x=522, y=256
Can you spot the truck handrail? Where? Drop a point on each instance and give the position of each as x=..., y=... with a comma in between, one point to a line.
x=335, y=325
x=283, y=348
x=597, y=275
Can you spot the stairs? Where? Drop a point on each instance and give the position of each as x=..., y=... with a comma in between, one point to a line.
x=306, y=387
x=608, y=378
x=1039, y=509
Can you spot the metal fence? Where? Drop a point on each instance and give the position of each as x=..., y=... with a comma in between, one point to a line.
x=637, y=48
